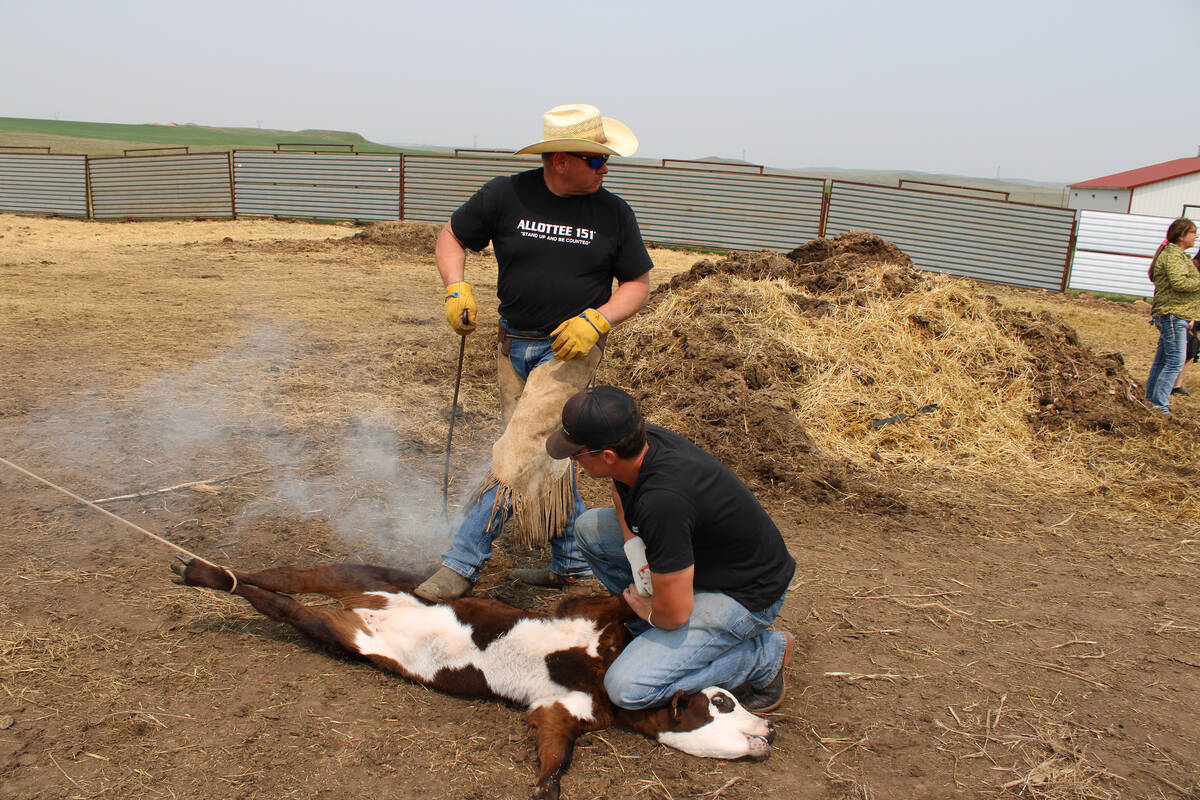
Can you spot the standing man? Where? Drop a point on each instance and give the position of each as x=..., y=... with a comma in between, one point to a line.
x=690, y=549
x=560, y=241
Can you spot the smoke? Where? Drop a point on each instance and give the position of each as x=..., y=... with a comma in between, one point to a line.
x=345, y=460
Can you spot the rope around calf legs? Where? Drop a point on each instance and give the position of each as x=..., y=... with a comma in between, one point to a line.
x=123, y=521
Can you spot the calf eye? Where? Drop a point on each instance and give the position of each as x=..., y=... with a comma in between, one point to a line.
x=723, y=703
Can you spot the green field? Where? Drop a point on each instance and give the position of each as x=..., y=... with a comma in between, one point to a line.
x=107, y=139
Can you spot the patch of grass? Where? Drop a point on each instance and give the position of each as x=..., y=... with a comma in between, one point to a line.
x=104, y=138
x=1119, y=298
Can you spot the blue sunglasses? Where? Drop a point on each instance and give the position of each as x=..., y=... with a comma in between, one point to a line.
x=591, y=159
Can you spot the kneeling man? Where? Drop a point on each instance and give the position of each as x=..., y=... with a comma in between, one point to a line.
x=714, y=571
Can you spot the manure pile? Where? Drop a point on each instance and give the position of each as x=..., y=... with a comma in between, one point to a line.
x=418, y=238
x=805, y=372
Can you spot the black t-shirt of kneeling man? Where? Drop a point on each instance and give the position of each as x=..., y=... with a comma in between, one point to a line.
x=691, y=510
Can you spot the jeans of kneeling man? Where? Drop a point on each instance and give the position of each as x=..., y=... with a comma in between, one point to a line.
x=472, y=545
x=1169, y=358
x=723, y=643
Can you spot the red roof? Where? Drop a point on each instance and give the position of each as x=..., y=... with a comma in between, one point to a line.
x=1145, y=175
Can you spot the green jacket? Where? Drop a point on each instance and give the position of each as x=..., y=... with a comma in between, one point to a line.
x=1176, y=284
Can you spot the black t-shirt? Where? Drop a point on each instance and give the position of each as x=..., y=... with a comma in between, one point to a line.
x=690, y=509
x=557, y=255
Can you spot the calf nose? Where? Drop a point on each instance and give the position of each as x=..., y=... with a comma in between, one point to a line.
x=770, y=733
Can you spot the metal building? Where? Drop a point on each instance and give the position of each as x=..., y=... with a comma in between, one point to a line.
x=1170, y=189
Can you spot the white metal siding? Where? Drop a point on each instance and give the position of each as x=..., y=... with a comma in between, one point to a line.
x=334, y=185
x=161, y=186
x=1166, y=198
x=43, y=184
x=1116, y=200
x=1112, y=252
x=988, y=240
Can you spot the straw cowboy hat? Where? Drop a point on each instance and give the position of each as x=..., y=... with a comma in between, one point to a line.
x=579, y=128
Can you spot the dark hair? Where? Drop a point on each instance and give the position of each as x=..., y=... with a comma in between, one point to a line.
x=631, y=445
x=1175, y=231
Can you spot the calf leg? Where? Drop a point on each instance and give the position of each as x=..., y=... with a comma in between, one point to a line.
x=554, y=733
x=343, y=582
x=332, y=628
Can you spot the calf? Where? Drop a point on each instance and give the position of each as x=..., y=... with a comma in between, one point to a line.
x=553, y=665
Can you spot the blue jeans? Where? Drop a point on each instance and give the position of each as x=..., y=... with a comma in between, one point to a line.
x=723, y=643
x=472, y=545
x=1168, y=360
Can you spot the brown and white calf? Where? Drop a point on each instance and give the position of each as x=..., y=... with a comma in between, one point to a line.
x=553, y=665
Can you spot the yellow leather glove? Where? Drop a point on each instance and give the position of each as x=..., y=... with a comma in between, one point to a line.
x=458, y=300
x=576, y=337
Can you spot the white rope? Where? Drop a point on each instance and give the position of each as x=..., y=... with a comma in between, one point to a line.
x=108, y=513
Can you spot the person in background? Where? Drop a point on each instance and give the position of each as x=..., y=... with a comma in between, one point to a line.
x=1176, y=304
x=1193, y=343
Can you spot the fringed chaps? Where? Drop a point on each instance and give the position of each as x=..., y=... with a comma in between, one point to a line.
x=539, y=489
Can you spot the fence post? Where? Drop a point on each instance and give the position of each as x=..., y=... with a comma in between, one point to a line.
x=1070, y=254
x=87, y=185
x=826, y=197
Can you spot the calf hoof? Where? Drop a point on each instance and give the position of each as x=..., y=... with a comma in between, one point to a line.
x=193, y=572
x=179, y=567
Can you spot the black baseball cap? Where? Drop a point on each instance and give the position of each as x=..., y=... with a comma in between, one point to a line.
x=592, y=420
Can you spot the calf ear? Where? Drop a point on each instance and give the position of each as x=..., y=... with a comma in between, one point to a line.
x=678, y=705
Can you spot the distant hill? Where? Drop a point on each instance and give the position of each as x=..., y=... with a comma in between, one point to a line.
x=108, y=139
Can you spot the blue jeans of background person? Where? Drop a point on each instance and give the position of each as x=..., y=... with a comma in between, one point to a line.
x=723, y=643
x=472, y=545
x=1168, y=360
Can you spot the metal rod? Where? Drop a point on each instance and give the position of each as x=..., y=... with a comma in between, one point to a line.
x=462, y=346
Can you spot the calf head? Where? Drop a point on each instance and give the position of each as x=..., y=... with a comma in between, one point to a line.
x=713, y=724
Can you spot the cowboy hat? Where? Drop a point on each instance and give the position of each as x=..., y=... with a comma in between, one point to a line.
x=579, y=128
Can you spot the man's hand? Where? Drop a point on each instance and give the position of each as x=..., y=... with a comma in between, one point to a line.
x=459, y=300
x=576, y=337
x=640, y=604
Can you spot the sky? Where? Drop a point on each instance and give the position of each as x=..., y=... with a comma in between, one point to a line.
x=1047, y=90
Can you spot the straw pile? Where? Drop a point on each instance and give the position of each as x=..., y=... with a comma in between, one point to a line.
x=805, y=372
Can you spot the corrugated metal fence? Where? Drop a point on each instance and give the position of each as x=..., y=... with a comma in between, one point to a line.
x=673, y=206
x=990, y=240
x=44, y=184
x=436, y=185
x=692, y=205
x=721, y=209
x=322, y=185
x=153, y=187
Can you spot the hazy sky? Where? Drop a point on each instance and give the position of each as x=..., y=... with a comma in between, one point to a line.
x=1052, y=90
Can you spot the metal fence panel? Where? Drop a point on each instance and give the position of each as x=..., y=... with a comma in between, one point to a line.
x=1108, y=272
x=720, y=209
x=43, y=184
x=1113, y=251
x=333, y=185
x=673, y=206
x=989, y=240
x=434, y=186
x=139, y=187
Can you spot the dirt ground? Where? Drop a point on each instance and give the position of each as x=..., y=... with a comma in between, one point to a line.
x=1023, y=628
